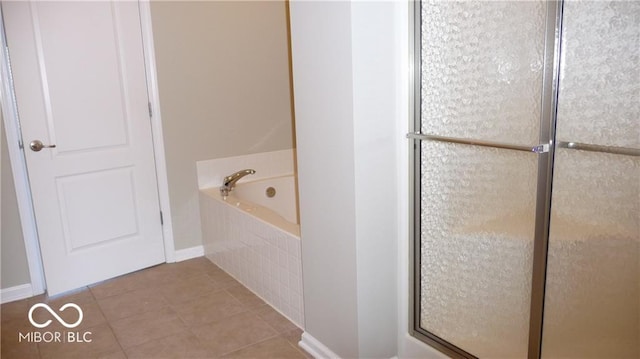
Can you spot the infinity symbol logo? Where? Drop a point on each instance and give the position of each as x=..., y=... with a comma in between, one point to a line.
x=48, y=308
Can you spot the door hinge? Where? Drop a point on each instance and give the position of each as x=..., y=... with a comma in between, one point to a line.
x=161, y=219
x=150, y=110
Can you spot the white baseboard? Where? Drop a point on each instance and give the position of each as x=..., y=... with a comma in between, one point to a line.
x=188, y=253
x=318, y=350
x=18, y=292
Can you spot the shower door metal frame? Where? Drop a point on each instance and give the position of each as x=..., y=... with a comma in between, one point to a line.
x=551, y=80
x=545, y=151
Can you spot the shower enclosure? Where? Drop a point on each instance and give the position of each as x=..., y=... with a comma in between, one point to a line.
x=527, y=178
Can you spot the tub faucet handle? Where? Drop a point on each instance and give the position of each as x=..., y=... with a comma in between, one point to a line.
x=229, y=182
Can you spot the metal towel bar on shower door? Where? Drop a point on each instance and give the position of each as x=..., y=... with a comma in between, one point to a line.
x=599, y=148
x=536, y=149
x=627, y=151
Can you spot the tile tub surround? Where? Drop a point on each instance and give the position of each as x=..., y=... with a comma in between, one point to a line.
x=267, y=164
x=263, y=257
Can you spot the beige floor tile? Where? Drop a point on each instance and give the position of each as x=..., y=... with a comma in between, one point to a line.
x=192, y=266
x=233, y=333
x=276, y=347
x=159, y=275
x=184, y=290
x=152, y=277
x=115, y=355
x=190, y=309
x=245, y=296
x=91, y=312
x=293, y=336
x=16, y=325
x=21, y=351
x=214, y=267
x=181, y=346
x=222, y=278
x=208, y=308
x=102, y=343
x=81, y=295
x=123, y=284
x=14, y=310
x=17, y=315
x=91, y=316
x=132, y=303
x=276, y=320
x=10, y=343
x=172, y=272
x=142, y=328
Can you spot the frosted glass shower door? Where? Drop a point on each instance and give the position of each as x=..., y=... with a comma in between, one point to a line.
x=592, y=301
x=481, y=88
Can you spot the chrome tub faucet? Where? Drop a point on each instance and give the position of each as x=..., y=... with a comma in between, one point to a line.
x=229, y=182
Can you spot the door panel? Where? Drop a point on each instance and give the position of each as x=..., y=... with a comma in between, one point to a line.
x=600, y=74
x=80, y=84
x=500, y=74
x=481, y=83
x=114, y=220
x=97, y=62
x=478, y=210
x=482, y=69
x=592, y=297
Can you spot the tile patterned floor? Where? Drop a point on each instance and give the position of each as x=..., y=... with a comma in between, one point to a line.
x=190, y=309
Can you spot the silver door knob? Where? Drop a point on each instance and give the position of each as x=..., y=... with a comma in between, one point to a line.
x=37, y=145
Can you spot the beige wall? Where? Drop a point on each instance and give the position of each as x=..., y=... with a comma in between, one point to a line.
x=223, y=74
x=14, y=268
x=224, y=87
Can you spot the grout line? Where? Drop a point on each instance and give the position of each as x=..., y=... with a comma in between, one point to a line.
x=246, y=309
x=169, y=305
x=129, y=290
x=191, y=331
x=151, y=339
x=250, y=345
x=108, y=322
x=273, y=326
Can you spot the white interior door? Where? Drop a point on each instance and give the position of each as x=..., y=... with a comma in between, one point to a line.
x=80, y=85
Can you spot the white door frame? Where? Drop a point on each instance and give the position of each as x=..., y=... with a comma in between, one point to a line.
x=18, y=163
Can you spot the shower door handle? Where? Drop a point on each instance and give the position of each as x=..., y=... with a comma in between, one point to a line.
x=627, y=151
x=542, y=148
